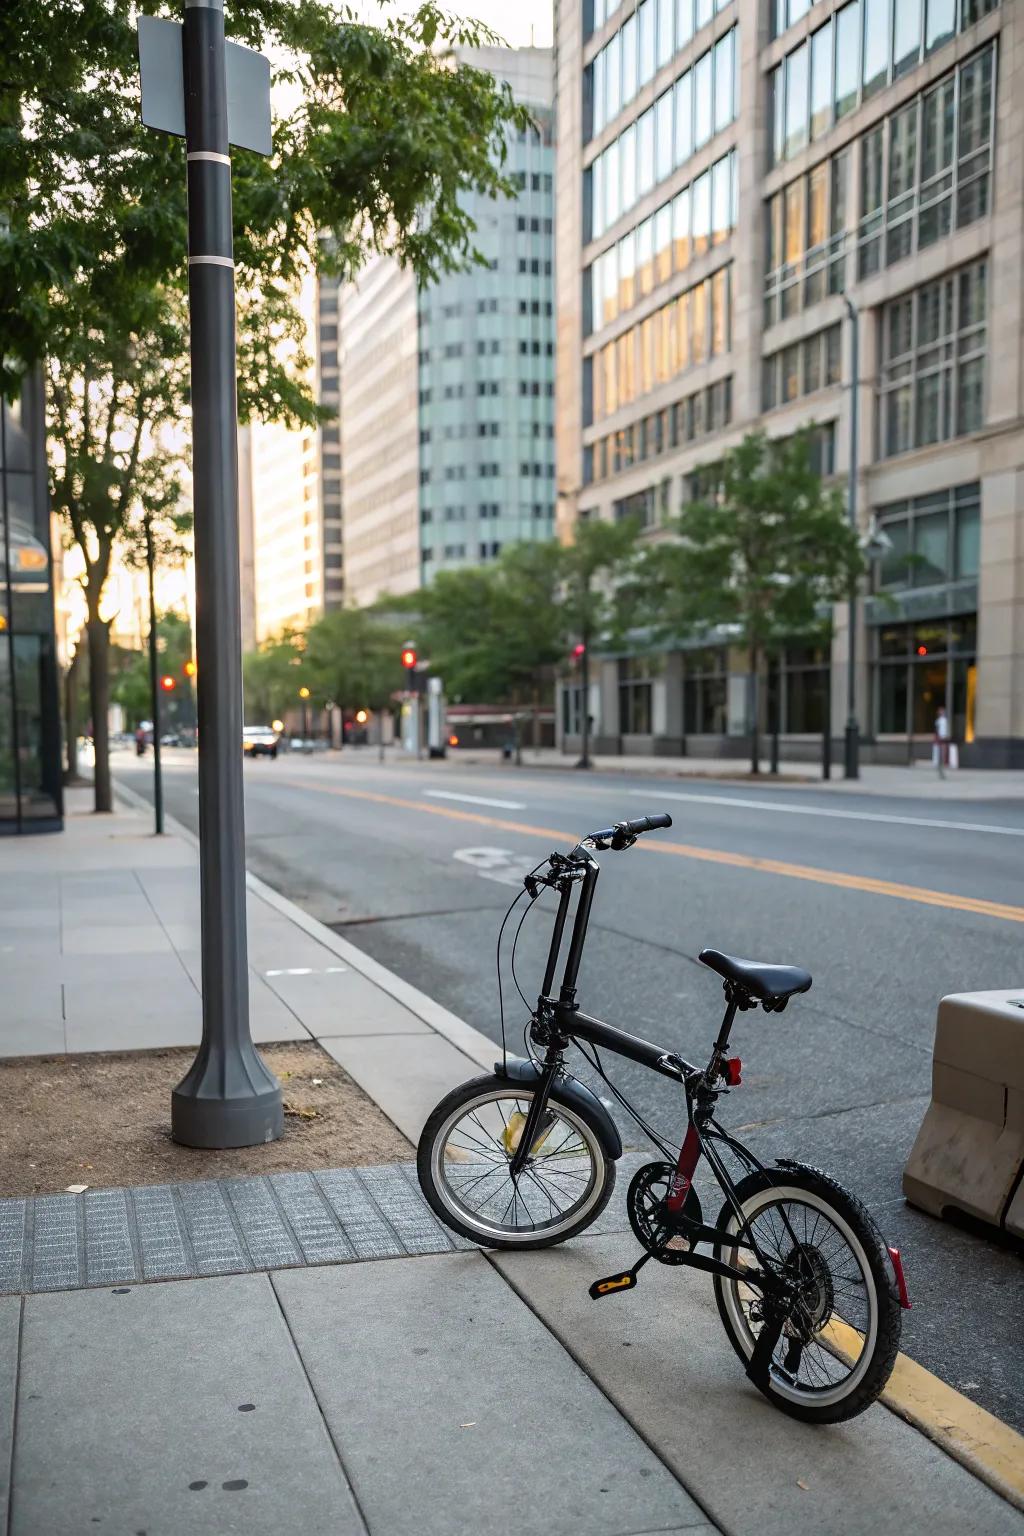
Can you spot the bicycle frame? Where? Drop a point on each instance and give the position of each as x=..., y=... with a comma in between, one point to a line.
x=558, y=1022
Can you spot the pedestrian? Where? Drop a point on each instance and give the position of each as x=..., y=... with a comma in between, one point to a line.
x=140, y=742
x=940, y=746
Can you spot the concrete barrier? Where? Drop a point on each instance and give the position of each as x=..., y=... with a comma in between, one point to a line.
x=969, y=1152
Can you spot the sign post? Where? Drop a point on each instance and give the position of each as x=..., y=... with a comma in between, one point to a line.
x=228, y=1098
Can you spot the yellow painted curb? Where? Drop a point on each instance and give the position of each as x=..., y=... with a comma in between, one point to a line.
x=974, y=1437
x=834, y=877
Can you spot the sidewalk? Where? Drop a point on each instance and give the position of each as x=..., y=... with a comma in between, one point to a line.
x=339, y=1363
x=921, y=781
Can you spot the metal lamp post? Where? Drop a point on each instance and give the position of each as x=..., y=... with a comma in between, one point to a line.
x=228, y=1098
x=154, y=683
x=852, y=733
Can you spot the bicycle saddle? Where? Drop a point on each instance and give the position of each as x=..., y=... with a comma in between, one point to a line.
x=765, y=982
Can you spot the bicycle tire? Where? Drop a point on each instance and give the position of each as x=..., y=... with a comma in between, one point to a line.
x=756, y=1193
x=485, y=1089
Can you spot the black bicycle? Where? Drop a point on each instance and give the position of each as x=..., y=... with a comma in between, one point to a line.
x=808, y=1290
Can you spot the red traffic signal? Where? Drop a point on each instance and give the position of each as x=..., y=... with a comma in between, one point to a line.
x=579, y=650
x=168, y=684
x=408, y=658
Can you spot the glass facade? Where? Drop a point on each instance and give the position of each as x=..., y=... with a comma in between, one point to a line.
x=699, y=415
x=802, y=369
x=853, y=55
x=932, y=375
x=30, y=744
x=701, y=103
x=486, y=376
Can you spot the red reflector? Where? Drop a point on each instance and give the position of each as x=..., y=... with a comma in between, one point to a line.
x=732, y=1071
x=901, y=1284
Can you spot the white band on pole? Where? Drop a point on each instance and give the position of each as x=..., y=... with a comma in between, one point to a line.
x=209, y=154
x=211, y=261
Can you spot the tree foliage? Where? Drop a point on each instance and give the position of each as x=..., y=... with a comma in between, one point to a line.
x=762, y=556
x=353, y=659
x=376, y=138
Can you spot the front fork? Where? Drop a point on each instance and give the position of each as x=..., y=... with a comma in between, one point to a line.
x=534, y=1119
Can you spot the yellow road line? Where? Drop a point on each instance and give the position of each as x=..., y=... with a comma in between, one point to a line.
x=984, y=1444
x=916, y=893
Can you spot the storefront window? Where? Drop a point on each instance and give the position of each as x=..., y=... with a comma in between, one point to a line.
x=30, y=757
x=635, y=696
x=704, y=693
x=920, y=668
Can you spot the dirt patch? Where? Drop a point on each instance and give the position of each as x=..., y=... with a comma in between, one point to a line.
x=104, y=1120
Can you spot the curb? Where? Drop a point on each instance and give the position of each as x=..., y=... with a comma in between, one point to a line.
x=480, y=1051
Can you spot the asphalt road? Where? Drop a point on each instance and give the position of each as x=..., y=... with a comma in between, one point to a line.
x=416, y=864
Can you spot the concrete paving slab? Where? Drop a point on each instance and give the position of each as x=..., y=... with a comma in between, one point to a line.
x=446, y=1393
x=140, y=939
x=25, y=921
x=405, y=1074
x=32, y=1022
x=664, y=1360
x=337, y=1001
x=180, y=1407
x=10, y=1328
x=100, y=1018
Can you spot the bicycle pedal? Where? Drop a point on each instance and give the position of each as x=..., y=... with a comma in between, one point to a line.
x=625, y=1280
x=612, y=1283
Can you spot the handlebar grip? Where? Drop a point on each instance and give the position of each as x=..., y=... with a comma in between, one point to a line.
x=648, y=823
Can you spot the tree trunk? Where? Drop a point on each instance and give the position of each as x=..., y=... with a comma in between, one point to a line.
x=755, y=735
x=99, y=704
x=517, y=721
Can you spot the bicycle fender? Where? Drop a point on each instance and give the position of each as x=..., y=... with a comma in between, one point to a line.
x=575, y=1093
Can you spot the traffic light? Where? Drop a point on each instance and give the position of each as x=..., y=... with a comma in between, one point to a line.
x=578, y=651
x=409, y=658
x=168, y=684
x=189, y=669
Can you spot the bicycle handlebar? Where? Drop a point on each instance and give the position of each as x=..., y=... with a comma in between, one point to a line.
x=624, y=832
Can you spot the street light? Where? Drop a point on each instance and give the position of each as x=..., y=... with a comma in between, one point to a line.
x=852, y=734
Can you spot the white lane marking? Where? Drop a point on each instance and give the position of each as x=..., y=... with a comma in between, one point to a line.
x=496, y=864
x=307, y=970
x=504, y=805
x=819, y=810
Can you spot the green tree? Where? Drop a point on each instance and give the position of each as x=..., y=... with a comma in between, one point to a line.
x=376, y=141
x=763, y=555
x=130, y=683
x=353, y=659
x=271, y=678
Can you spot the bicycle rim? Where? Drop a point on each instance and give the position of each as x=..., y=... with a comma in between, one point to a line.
x=556, y=1187
x=837, y=1325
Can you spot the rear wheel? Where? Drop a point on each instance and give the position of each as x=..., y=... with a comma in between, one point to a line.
x=838, y=1345
x=463, y=1163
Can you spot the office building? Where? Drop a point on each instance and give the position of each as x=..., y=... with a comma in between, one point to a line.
x=730, y=174
x=447, y=395
x=289, y=494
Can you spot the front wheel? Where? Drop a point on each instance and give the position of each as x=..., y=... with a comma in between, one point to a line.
x=839, y=1342
x=463, y=1163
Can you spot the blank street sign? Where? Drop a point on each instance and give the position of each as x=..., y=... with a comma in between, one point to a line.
x=163, y=87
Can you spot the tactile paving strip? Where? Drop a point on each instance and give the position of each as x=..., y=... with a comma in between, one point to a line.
x=227, y=1227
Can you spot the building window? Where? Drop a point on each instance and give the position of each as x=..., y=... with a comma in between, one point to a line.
x=853, y=55
x=701, y=102
x=933, y=540
x=635, y=673
x=931, y=383
x=918, y=669
x=927, y=169
x=806, y=231
x=804, y=694
x=705, y=684
x=802, y=369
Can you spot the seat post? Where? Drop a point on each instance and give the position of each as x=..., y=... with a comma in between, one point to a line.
x=731, y=1006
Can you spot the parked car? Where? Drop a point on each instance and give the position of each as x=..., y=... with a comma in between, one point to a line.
x=259, y=741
